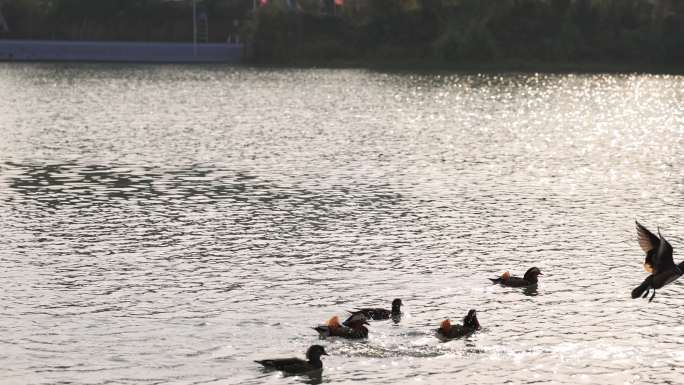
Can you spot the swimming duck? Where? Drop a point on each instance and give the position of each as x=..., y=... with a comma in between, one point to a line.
x=529, y=279
x=297, y=365
x=447, y=331
x=658, y=262
x=376, y=313
x=354, y=328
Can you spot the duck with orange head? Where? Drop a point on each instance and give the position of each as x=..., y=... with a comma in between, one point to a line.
x=447, y=331
x=529, y=279
x=354, y=327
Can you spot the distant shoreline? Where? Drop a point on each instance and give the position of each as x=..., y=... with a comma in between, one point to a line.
x=504, y=66
x=18, y=50
x=115, y=51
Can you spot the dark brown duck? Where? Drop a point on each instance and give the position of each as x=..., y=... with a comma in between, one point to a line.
x=376, y=313
x=355, y=328
x=659, y=262
x=447, y=331
x=529, y=279
x=297, y=365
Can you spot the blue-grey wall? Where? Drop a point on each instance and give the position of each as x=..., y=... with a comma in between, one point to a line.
x=46, y=50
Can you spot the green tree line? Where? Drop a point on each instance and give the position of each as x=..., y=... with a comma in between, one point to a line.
x=620, y=33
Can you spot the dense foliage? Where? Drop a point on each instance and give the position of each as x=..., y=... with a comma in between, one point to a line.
x=617, y=33
x=495, y=33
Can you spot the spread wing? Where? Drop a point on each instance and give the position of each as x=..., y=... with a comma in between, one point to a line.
x=663, y=260
x=647, y=240
x=649, y=244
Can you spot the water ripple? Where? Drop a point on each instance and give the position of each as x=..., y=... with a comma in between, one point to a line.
x=170, y=224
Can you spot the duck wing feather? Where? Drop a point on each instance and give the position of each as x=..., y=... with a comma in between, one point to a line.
x=647, y=240
x=287, y=364
x=517, y=282
x=663, y=259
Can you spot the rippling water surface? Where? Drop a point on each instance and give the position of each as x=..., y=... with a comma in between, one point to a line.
x=169, y=225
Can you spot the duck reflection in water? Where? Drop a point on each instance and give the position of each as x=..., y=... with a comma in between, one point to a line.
x=530, y=291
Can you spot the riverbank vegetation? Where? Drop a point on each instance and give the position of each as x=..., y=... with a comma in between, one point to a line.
x=620, y=34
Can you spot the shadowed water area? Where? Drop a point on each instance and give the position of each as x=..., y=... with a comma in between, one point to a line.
x=169, y=224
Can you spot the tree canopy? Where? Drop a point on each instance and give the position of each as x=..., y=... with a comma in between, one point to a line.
x=622, y=33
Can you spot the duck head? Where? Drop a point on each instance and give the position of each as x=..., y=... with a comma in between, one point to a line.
x=531, y=274
x=681, y=266
x=315, y=352
x=470, y=320
x=396, y=305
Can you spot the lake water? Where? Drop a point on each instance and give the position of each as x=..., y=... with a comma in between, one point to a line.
x=171, y=224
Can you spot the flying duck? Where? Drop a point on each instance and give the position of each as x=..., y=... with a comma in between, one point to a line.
x=658, y=262
x=447, y=331
x=297, y=365
x=529, y=279
x=376, y=313
x=354, y=329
